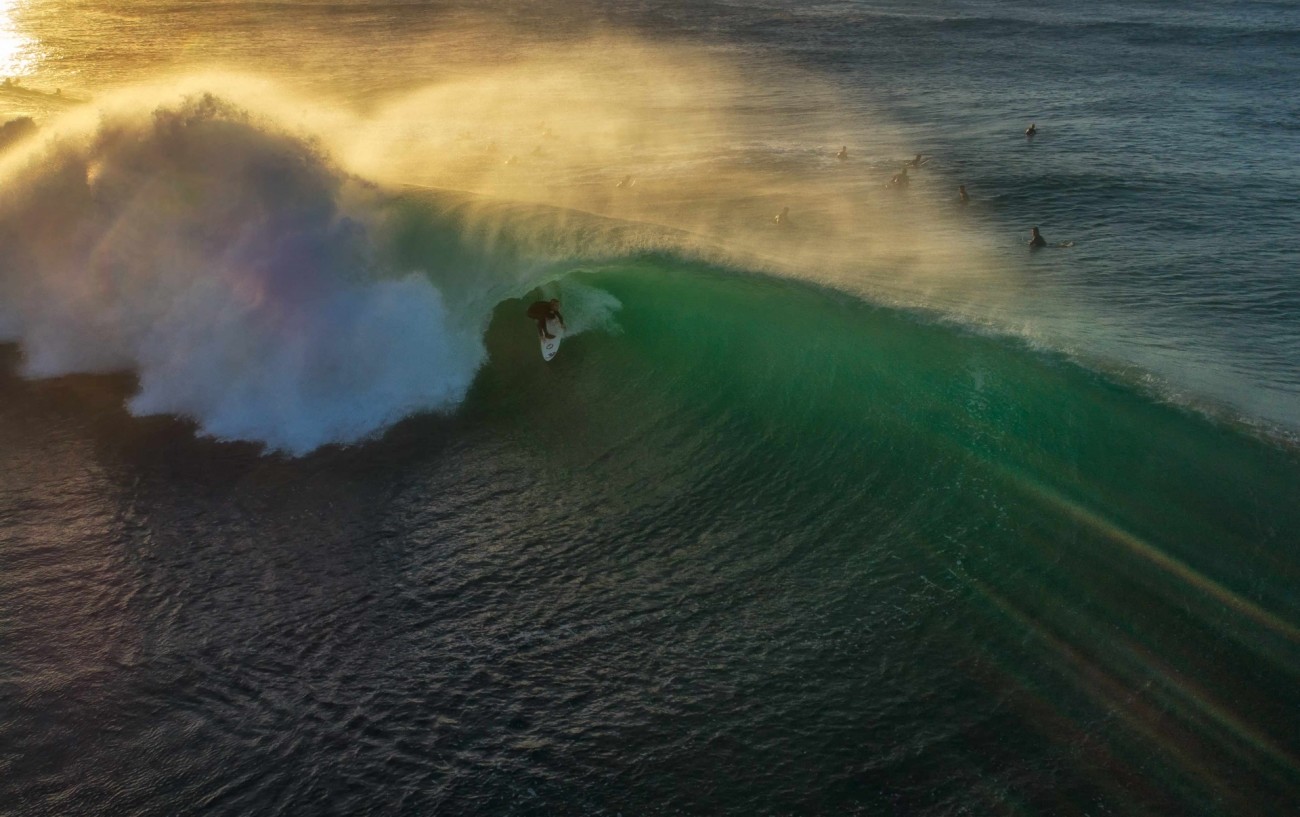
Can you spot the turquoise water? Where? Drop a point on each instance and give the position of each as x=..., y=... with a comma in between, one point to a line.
x=293, y=518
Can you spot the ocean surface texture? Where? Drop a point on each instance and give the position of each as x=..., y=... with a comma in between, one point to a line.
x=871, y=509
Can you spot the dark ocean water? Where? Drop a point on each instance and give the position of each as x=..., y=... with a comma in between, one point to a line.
x=753, y=543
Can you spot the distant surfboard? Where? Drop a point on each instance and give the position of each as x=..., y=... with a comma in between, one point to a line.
x=552, y=345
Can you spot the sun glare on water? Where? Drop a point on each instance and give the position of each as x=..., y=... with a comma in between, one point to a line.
x=17, y=51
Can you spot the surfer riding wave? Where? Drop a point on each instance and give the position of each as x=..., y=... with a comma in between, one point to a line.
x=543, y=311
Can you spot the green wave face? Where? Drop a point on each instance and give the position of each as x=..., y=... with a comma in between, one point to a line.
x=864, y=470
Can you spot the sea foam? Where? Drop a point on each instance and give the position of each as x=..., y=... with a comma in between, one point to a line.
x=234, y=268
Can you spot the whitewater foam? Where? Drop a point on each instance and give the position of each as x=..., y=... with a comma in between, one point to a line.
x=234, y=269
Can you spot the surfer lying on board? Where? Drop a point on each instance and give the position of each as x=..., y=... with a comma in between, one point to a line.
x=543, y=311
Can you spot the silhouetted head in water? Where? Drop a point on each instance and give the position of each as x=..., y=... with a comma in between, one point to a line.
x=1036, y=240
x=1031, y=130
x=843, y=154
x=962, y=195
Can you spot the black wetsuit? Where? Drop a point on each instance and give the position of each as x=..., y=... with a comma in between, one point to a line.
x=542, y=311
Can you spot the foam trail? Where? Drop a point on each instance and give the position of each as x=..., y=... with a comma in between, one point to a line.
x=234, y=269
x=586, y=308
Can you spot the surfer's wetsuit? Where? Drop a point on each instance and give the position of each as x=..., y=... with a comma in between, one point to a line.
x=543, y=311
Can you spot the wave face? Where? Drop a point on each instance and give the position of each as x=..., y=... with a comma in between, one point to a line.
x=922, y=519
x=235, y=270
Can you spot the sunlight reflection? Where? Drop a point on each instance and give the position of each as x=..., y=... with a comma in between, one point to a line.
x=18, y=52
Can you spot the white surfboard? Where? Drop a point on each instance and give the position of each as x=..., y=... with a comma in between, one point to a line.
x=552, y=345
